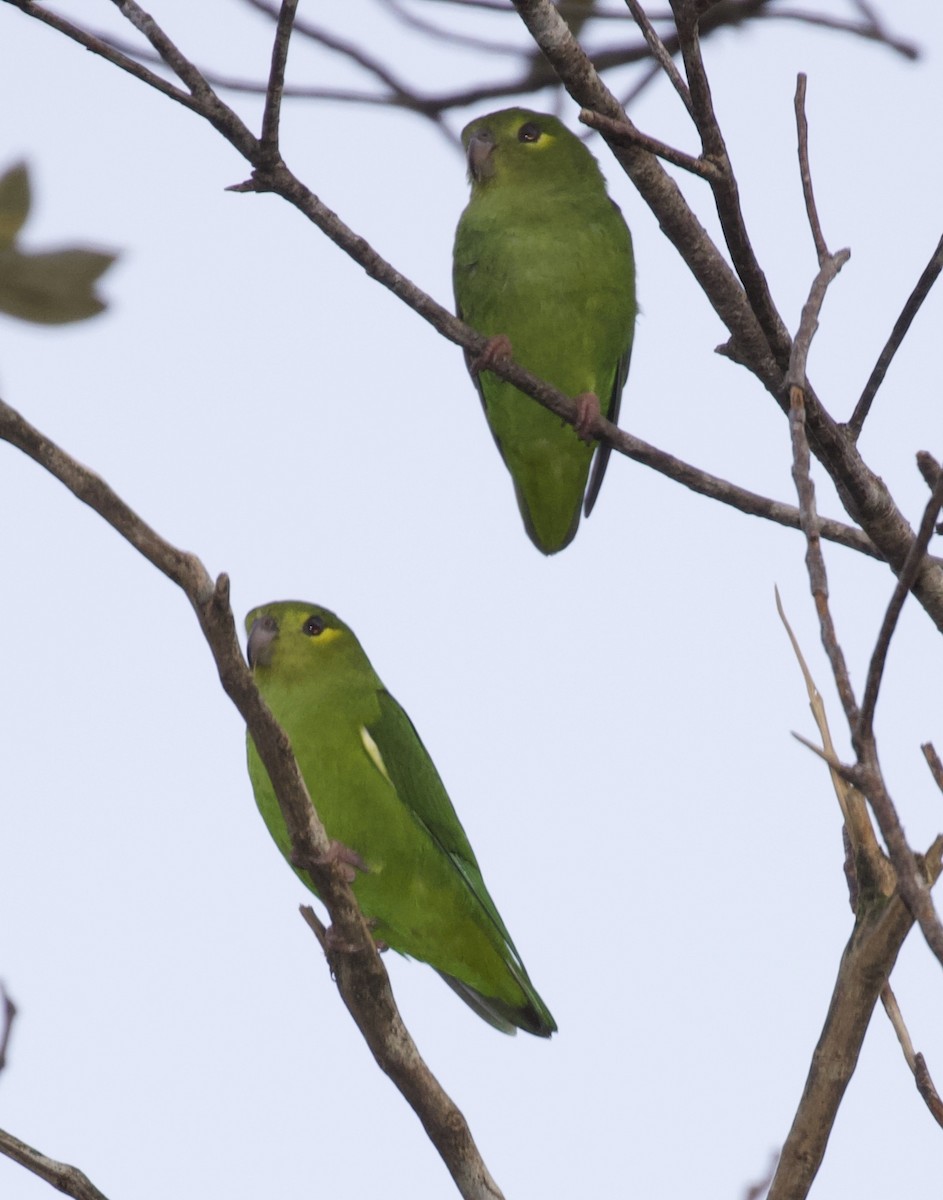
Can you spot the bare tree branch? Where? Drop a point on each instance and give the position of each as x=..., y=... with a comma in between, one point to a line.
x=867, y=29
x=866, y=774
x=360, y=975
x=934, y=763
x=660, y=53
x=863, y=493
x=759, y=340
x=815, y=563
x=899, y=595
x=927, y=1089
x=276, y=82
x=6, y=1024
x=831, y=264
x=725, y=189
x=916, y=1062
x=866, y=856
x=869, y=957
x=68, y=1180
x=802, y=131
x=620, y=133
x=926, y=281
x=102, y=47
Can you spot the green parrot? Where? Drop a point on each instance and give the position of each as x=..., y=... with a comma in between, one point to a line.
x=381, y=799
x=543, y=266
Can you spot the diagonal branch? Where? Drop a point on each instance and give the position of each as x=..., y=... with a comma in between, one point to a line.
x=916, y=1062
x=926, y=281
x=106, y=50
x=68, y=1180
x=889, y=624
x=863, y=493
x=660, y=53
x=360, y=975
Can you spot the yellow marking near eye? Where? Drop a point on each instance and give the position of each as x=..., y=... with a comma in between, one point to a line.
x=545, y=140
x=327, y=635
x=374, y=752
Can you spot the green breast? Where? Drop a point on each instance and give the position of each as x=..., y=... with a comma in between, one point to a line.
x=557, y=278
x=412, y=891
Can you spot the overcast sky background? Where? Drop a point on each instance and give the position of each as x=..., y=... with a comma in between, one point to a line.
x=613, y=724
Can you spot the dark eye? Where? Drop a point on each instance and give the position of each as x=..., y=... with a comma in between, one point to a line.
x=313, y=626
x=528, y=133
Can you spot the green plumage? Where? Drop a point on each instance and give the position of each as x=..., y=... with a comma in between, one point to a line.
x=378, y=793
x=543, y=257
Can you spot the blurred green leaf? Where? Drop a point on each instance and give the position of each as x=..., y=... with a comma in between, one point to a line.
x=14, y=203
x=50, y=288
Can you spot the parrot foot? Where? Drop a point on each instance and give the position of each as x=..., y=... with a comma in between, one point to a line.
x=382, y=947
x=497, y=347
x=350, y=860
x=588, y=411
x=335, y=944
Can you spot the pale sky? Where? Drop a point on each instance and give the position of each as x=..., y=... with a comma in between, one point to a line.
x=613, y=725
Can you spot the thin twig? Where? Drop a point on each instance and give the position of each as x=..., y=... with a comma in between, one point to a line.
x=926, y=1088
x=866, y=30
x=276, y=82
x=828, y=757
x=6, y=1024
x=624, y=133
x=802, y=130
x=916, y=298
x=892, y=1008
x=815, y=564
x=660, y=53
x=757, y=1190
x=831, y=264
x=934, y=763
x=725, y=189
x=905, y=581
x=916, y=1062
x=209, y=105
x=110, y=53
x=866, y=853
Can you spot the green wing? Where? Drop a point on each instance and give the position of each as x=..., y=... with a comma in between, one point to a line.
x=604, y=450
x=413, y=774
x=417, y=783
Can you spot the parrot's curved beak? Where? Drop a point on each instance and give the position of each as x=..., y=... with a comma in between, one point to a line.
x=479, y=153
x=262, y=637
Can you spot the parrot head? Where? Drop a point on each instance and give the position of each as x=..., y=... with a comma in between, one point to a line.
x=518, y=145
x=293, y=638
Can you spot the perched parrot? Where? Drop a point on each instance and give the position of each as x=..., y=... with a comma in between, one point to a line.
x=379, y=795
x=543, y=266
